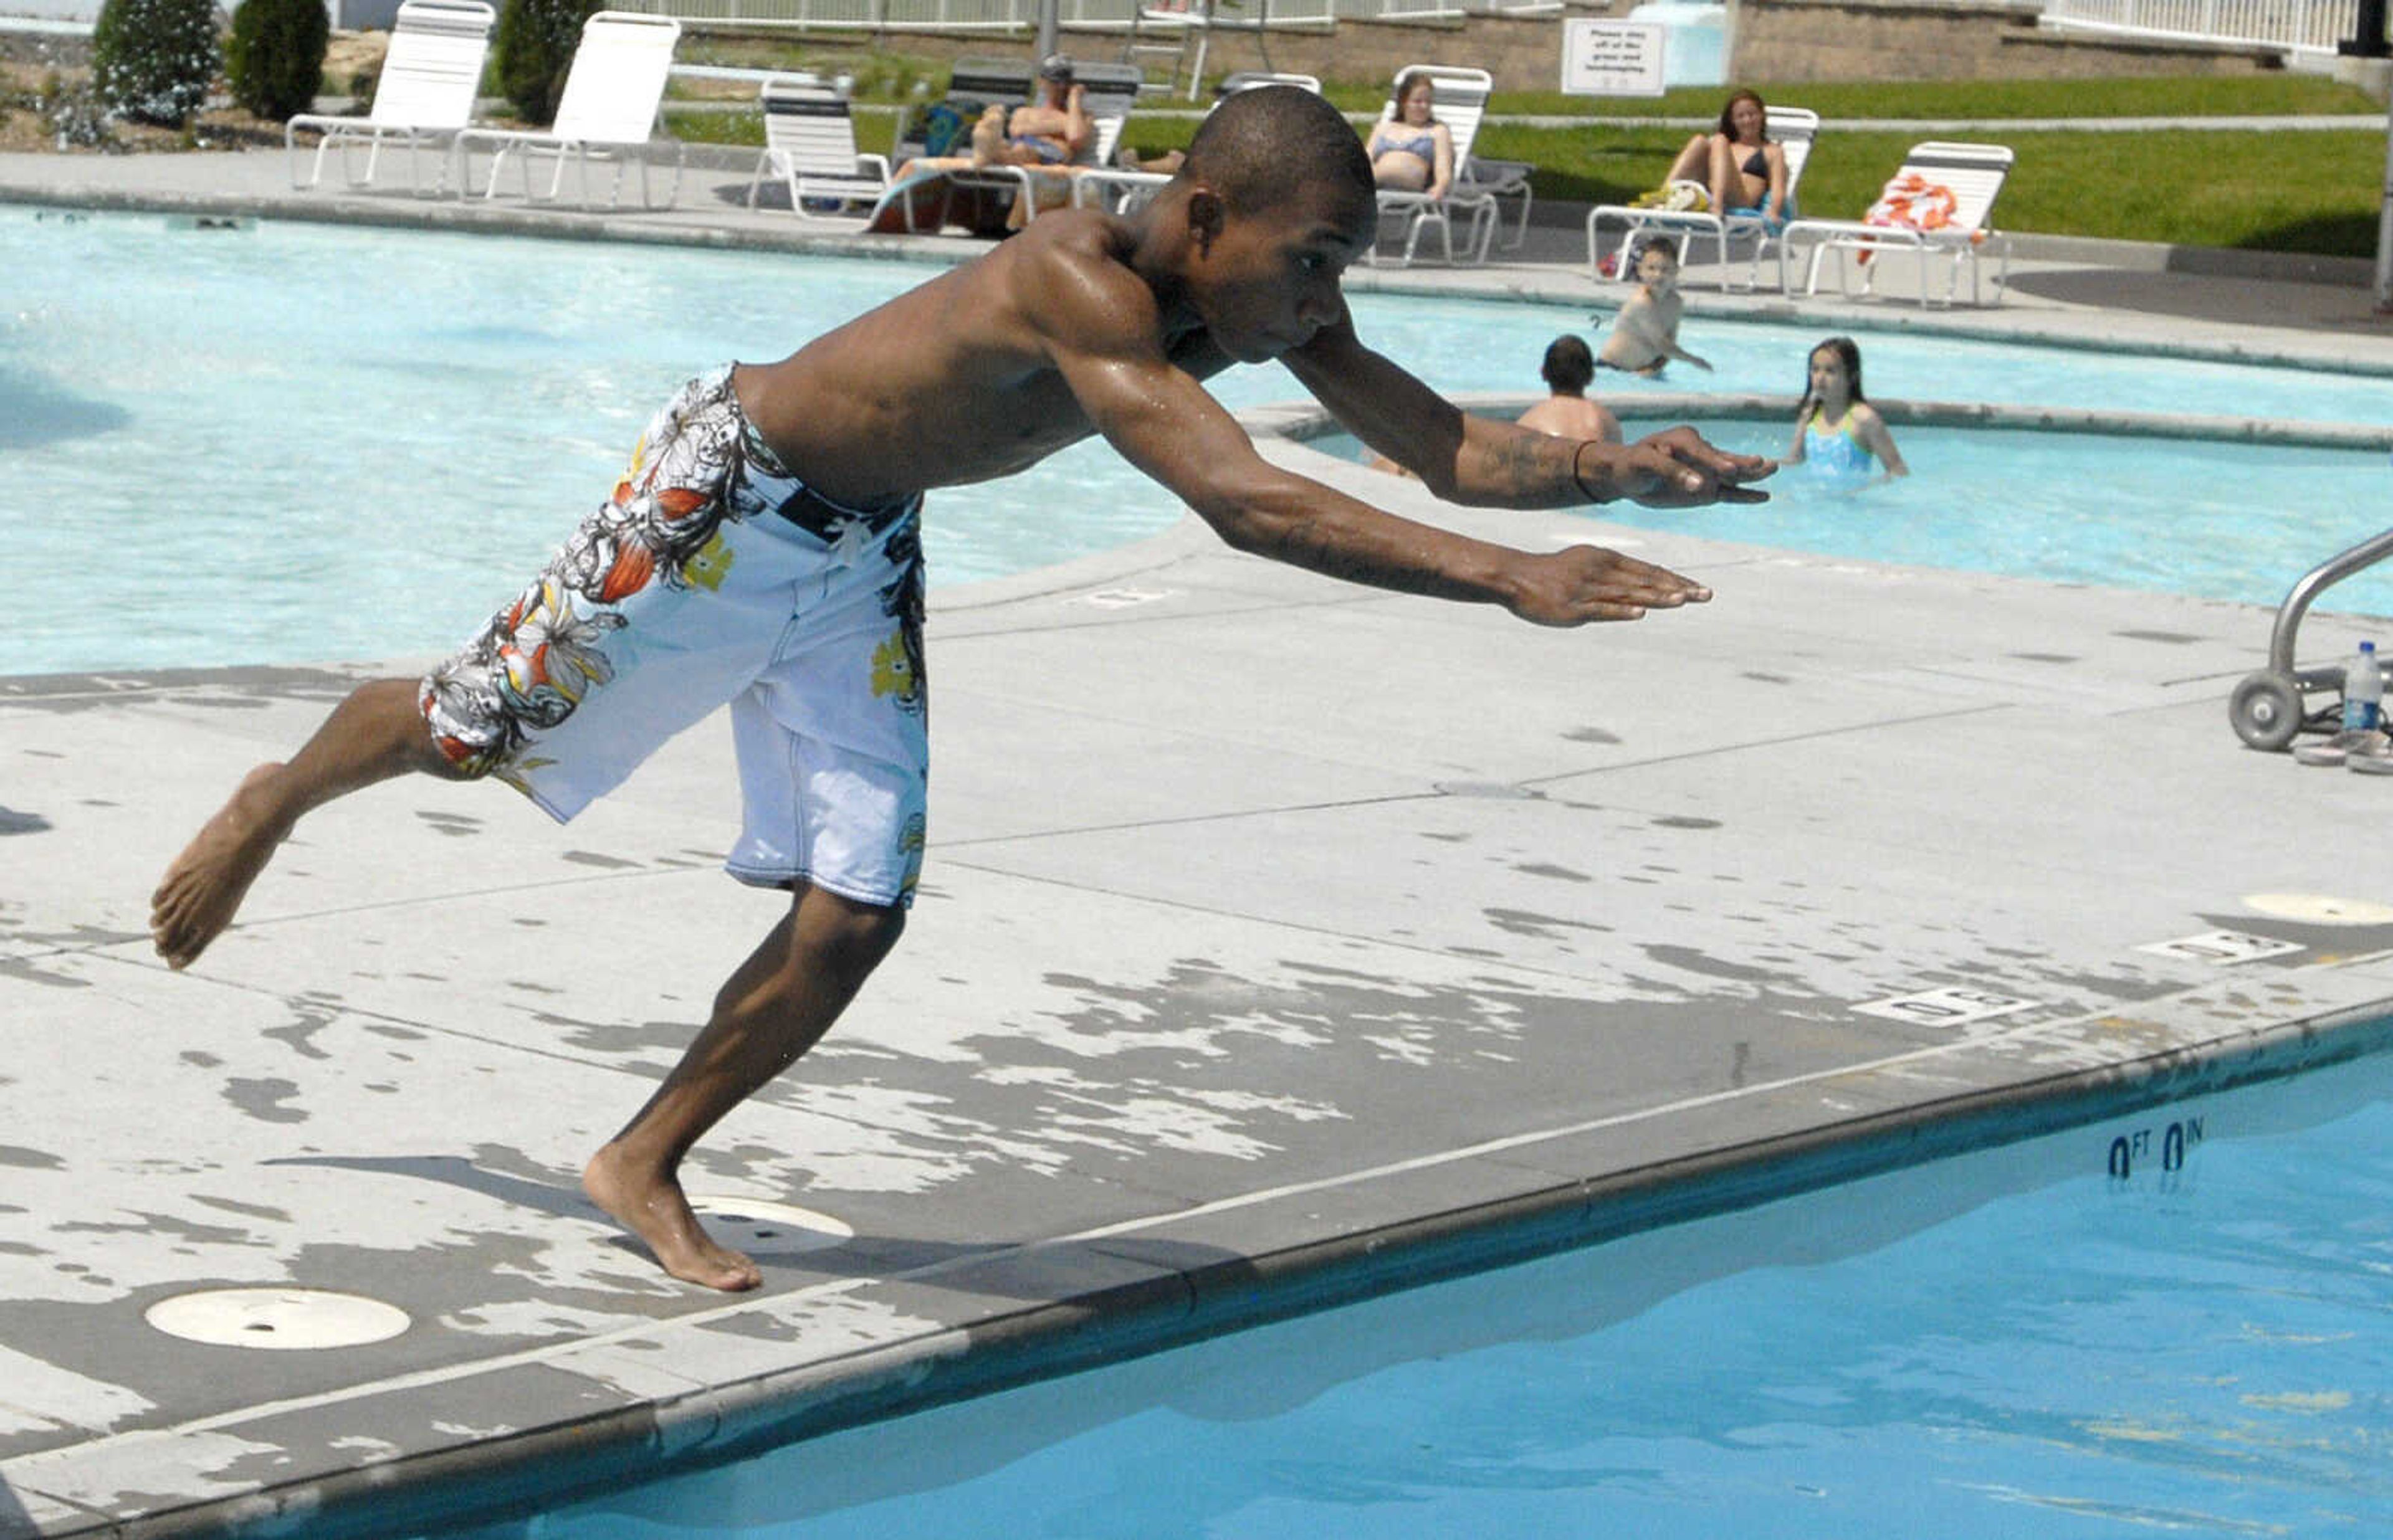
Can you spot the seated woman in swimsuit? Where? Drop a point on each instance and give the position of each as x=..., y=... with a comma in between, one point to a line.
x=1412, y=151
x=1737, y=162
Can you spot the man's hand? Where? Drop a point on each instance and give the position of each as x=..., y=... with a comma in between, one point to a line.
x=1676, y=469
x=1587, y=582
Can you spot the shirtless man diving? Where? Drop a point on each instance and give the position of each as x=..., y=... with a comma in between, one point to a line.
x=674, y=596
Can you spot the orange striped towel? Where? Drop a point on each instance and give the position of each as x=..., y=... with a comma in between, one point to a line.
x=1912, y=202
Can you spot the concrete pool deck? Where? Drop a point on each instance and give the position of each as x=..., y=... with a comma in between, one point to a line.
x=1278, y=939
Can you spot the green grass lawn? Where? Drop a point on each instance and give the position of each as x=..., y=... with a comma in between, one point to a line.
x=2290, y=190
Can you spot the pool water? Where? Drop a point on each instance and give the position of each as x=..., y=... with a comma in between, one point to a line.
x=2213, y=519
x=298, y=443
x=2016, y=1342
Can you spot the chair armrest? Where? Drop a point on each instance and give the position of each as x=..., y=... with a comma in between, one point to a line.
x=1687, y=220
x=1503, y=175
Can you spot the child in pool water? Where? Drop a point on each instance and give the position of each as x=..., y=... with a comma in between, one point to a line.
x=1645, y=335
x=1837, y=432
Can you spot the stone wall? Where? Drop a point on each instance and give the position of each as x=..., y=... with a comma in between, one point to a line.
x=1776, y=41
x=1782, y=41
x=1523, y=54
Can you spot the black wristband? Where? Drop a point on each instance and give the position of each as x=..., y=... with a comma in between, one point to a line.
x=1577, y=480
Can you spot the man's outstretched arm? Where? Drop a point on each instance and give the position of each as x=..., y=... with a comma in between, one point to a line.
x=1479, y=461
x=1164, y=423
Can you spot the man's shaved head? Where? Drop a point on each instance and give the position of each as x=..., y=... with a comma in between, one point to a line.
x=1262, y=145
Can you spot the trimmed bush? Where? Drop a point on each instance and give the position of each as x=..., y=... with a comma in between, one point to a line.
x=535, y=47
x=274, y=59
x=152, y=60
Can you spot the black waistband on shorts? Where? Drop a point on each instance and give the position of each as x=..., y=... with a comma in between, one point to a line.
x=809, y=510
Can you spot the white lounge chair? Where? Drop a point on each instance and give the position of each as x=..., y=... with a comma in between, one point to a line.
x=423, y=96
x=810, y=144
x=923, y=198
x=1501, y=179
x=1794, y=128
x=1460, y=100
x=1121, y=190
x=1244, y=80
x=973, y=84
x=1498, y=180
x=1108, y=94
x=607, y=112
x=1973, y=174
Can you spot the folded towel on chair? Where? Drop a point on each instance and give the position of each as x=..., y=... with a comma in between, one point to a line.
x=1912, y=202
x=1675, y=198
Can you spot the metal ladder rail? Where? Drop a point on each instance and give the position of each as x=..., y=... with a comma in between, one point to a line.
x=1140, y=52
x=2367, y=554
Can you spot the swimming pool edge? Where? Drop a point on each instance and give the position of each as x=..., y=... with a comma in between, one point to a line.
x=2121, y=1062
x=1546, y=284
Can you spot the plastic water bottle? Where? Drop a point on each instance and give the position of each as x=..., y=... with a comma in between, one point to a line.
x=2363, y=691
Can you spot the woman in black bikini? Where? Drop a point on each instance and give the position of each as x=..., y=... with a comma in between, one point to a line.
x=1737, y=163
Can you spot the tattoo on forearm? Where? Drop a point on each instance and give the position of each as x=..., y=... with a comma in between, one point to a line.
x=1532, y=467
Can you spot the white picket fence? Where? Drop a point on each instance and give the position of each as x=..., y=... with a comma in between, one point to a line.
x=2306, y=26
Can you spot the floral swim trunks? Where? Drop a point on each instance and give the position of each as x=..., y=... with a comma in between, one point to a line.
x=711, y=575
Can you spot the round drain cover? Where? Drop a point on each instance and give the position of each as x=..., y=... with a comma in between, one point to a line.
x=767, y=1229
x=2320, y=909
x=277, y=1318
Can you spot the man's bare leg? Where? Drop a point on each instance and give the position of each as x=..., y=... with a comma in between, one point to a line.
x=371, y=736
x=776, y=1005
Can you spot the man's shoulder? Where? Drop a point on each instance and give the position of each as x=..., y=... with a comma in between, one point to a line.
x=1072, y=268
x=1086, y=244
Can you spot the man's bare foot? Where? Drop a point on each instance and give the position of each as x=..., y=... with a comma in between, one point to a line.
x=202, y=891
x=652, y=1208
x=988, y=138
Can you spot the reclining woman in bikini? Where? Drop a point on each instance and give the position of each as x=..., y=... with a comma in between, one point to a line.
x=1412, y=151
x=1736, y=162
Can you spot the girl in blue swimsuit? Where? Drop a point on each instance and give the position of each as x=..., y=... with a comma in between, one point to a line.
x=1837, y=432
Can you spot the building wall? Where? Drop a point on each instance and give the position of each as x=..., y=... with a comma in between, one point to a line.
x=1842, y=40
x=1523, y=54
x=1778, y=41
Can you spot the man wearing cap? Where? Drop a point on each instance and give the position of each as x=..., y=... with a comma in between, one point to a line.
x=1053, y=131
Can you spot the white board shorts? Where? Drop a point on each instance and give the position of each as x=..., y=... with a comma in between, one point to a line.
x=714, y=575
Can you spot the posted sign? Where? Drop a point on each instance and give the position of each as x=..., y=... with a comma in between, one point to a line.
x=1612, y=59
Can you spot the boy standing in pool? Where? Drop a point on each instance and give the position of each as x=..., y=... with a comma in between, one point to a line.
x=760, y=480
x=1645, y=333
